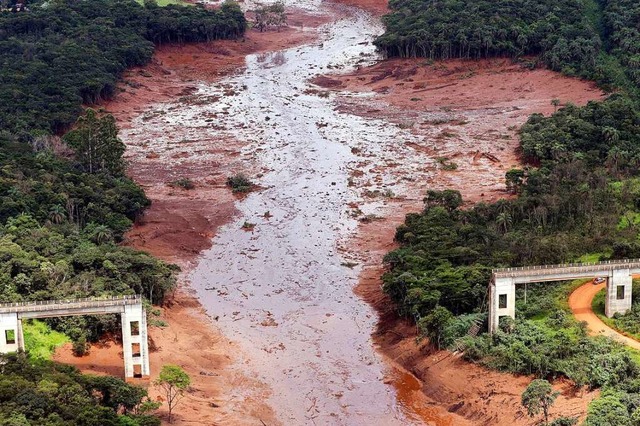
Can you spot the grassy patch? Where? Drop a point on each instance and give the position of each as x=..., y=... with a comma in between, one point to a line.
x=543, y=299
x=629, y=219
x=591, y=257
x=40, y=341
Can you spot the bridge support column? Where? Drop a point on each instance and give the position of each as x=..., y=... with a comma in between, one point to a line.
x=11, y=338
x=134, y=341
x=502, y=301
x=619, y=286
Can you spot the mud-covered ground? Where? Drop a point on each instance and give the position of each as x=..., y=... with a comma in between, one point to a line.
x=465, y=113
x=341, y=150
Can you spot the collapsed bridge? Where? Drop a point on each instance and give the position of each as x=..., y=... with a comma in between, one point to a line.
x=617, y=273
x=133, y=317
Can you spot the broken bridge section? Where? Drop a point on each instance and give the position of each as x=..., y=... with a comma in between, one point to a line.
x=134, y=325
x=617, y=273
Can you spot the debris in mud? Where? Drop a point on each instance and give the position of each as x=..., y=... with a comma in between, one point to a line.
x=269, y=322
x=455, y=407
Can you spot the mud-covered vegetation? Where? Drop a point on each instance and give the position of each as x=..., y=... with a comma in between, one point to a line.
x=576, y=198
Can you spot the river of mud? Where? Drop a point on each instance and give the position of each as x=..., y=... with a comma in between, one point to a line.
x=336, y=168
x=282, y=287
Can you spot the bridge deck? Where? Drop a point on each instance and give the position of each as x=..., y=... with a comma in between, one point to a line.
x=567, y=269
x=71, y=306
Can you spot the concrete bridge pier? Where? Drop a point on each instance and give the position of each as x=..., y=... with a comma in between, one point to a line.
x=11, y=337
x=502, y=298
x=619, y=287
x=134, y=341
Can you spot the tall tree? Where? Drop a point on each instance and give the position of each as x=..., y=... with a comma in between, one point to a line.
x=96, y=143
x=173, y=380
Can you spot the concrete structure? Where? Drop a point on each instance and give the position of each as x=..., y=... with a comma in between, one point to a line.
x=617, y=273
x=133, y=315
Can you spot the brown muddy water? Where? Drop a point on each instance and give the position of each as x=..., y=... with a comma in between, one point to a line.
x=279, y=278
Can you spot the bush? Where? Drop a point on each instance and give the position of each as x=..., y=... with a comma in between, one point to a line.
x=80, y=346
x=239, y=183
x=184, y=183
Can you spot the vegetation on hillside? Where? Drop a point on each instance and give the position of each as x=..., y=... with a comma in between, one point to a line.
x=577, y=197
x=65, y=202
x=47, y=394
x=559, y=31
x=582, y=198
x=594, y=39
x=63, y=53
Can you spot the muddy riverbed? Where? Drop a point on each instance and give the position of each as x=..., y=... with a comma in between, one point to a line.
x=275, y=278
x=337, y=166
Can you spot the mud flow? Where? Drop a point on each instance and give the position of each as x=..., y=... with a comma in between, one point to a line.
x=337, y=167
x=275, y=278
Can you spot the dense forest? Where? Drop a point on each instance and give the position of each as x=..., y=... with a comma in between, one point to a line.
x=585, y=38
x=47, y=394
x=577, y=198
x=65, y=202
x=56, y=58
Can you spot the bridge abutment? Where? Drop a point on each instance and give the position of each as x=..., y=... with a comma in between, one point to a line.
x=134, y=342
x=11, y=337
x=502, y=301
x=619, y=288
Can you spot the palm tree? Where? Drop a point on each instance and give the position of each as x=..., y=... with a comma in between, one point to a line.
x=101, y=234
x=611, y=134
x=504, y=220
x=57, y=214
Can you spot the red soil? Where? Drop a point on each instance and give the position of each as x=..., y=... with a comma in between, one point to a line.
x=468, y=112
x=580, y=304
x=484, y=104
x=181, y=223
x=375, y=7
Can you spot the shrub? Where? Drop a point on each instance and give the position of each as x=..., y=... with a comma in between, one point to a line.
x=239, y=183
x=80, y=346
x=184, y=183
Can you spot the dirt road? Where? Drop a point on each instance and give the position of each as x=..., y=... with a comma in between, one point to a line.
x=580, y=304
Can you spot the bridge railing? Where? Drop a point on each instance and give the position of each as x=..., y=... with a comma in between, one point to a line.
x=87, y=302
x=566, y=268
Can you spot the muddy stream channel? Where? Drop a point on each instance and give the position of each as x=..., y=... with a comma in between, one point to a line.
x=284, y=289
